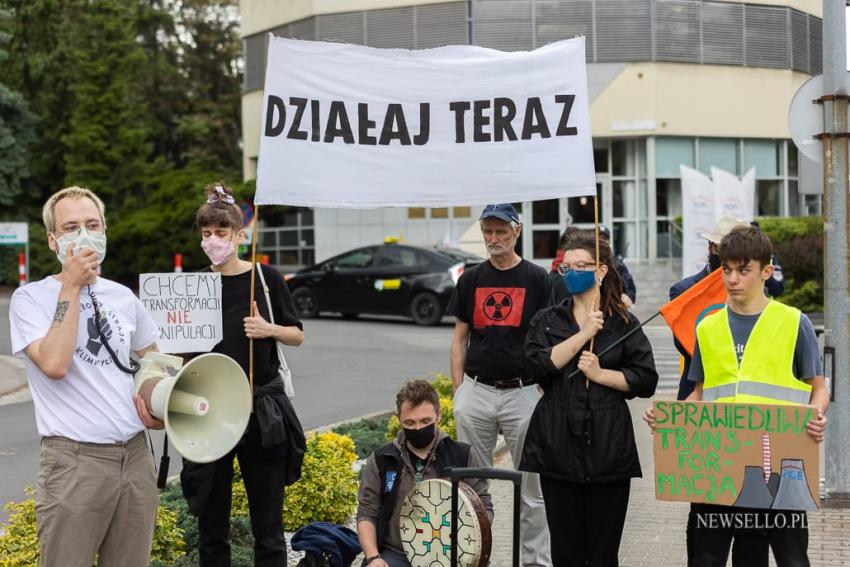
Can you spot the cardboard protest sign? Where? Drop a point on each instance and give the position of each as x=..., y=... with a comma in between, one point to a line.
x=742, y=455
x=349, y=126
x=186, y=308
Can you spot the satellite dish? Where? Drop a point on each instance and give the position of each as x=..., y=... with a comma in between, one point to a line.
x=805, y=117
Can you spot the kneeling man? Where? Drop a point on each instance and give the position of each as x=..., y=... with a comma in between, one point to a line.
x=420, y=452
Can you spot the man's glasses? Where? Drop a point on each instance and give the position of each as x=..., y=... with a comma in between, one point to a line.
x=75, y=228
x=578, y=266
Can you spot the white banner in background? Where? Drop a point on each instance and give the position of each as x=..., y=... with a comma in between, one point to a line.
x=733, y=197
x=347, y=126
x=697, y=217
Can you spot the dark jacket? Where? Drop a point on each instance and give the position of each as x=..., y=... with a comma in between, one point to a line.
x=677, y=289
x=579, y=433
x=388, y=477
x=337, y=545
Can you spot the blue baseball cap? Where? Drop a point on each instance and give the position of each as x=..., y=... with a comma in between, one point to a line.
x=501, y=211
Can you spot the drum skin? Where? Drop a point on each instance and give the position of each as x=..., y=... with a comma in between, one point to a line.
x=425, y=526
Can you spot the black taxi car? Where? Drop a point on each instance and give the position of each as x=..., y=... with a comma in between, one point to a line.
x=385, y=279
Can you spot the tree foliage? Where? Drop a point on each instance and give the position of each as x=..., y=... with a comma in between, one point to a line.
x=138, y=100
x=16, y=124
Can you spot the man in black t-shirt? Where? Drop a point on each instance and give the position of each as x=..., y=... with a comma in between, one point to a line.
x=493, y=303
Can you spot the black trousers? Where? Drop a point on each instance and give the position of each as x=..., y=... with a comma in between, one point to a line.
x=264, y=482
x=713, y=529
x=585, y=521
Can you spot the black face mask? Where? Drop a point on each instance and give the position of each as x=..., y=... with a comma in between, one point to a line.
x=713, y=262
x=420, y=438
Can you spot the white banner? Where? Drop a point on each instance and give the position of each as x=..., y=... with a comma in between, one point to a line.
x=698, y=216
x=186, y=308
x=733, y=197
x=346, y=126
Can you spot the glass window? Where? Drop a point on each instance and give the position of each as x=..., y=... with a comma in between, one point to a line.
x=416, y=212
x=623, y=157
x=396, y=257
x=718, y=152
x=643, y=201
x=624, y=199
x=768, y=197
x=668, y=197
x=624, y=239
x=440, y=213
x=545, y=243
x=462, y=212
x=290, y=218
x=792, y=160
x=308, y=256
x=268, y=239
x=546, y=212
x=600, y=158
x=357, y=259
x=287, y=258
x=793, y=199
x=812, y=205
x=670, y=153
x=764, y=155
x=581, y=208
x=307, y=217
x=307, y=238
x=288, y=237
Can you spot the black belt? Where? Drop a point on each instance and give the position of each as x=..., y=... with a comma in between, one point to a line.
x=506, y=383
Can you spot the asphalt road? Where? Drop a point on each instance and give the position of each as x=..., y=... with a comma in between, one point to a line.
x=343, y=370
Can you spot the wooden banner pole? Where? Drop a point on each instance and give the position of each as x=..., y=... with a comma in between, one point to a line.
x=596, y=296
x=254, y=237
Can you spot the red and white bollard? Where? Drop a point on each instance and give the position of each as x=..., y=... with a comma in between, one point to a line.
x=22, y=270
x=178, y=262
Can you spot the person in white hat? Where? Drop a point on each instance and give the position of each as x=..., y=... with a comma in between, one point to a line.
x=724, y=227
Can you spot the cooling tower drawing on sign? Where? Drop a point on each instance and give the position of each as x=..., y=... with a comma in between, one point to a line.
x=754, y=492
x=793, y=492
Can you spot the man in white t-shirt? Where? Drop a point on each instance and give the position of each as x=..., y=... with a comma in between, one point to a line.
x=96, y=490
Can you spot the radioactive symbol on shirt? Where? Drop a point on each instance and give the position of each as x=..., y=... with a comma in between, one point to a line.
x=498, y=306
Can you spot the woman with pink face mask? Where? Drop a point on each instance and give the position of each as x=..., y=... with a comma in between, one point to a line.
x=207, y=487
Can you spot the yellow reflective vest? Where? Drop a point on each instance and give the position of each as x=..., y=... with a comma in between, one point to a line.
x=765, y=374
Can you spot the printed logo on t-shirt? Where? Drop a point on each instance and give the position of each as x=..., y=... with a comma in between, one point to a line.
x=739, y=351
x=93, y=352
x=498, y=306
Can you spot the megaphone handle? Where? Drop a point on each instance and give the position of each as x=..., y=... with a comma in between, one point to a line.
x=164, y=463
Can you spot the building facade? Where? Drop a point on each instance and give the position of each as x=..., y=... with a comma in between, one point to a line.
x=696, y=82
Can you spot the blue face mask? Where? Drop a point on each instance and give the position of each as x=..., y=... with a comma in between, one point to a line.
x=579, y=282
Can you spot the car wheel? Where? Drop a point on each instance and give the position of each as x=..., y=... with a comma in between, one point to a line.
x=305, y=302
x=350, y=315
x=425, y=309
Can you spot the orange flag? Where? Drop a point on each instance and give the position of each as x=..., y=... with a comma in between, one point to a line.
x=684, y=313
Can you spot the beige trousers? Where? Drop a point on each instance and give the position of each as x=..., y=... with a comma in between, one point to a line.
x=94, y=499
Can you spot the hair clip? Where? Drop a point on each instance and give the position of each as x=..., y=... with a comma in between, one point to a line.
x=220, y=196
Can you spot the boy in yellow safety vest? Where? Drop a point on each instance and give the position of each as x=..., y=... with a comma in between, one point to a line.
x=755, y=350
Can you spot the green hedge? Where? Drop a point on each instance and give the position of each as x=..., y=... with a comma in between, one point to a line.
x=19, y=542
x=798, y=242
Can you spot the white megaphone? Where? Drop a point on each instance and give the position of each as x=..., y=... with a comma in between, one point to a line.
x=205, y=405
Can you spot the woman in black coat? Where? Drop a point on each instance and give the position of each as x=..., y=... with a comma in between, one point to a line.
x=580, y=437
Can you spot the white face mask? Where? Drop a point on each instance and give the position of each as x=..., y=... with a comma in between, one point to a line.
x=81, y=239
